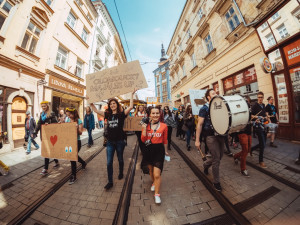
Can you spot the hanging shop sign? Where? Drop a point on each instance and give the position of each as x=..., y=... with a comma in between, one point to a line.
x=266, y=64
x=292, y=52
x=63, y=85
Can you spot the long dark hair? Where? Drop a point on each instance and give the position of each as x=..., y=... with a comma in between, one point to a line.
x=109, y=111
x=188, y=109
x=169, y=112
x=182, y=107
x=74, y=112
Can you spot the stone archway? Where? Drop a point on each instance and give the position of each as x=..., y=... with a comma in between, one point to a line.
x=20, y=93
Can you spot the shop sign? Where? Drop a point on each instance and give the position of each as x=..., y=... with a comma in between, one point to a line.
x=250, y=75
x=65, y=86
x=266, y=64
x=292, y=52
x=238, y=79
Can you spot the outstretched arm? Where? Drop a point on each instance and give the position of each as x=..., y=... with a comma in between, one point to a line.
x=96, y=110
x=131, y=103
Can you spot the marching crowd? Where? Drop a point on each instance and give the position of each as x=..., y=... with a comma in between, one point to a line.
x=155, y=138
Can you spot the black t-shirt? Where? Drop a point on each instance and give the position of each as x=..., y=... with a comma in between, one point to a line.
x=115, y=123
x=258, y=110
x=271, y=110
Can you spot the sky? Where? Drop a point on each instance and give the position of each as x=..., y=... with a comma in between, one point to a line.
x=147, y=24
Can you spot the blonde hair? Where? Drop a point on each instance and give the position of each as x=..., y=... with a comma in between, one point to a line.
x=48, y=112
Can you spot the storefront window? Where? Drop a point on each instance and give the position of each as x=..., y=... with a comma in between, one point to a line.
x=282, y=96
x=281, y=25
x=295, y=78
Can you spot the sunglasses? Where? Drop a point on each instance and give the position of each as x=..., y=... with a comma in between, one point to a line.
x=260, y=97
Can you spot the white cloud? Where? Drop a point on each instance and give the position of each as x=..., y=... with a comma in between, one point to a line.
x=157, y=29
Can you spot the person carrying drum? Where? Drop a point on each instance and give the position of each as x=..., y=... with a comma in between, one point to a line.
x=214, y=143
x=259, y=115
x=245, y=139
x=271, y=112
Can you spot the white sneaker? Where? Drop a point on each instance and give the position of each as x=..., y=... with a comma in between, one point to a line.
x=157, y=199
x=152, y=187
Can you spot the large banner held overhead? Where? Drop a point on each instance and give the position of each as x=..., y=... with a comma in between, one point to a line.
x=197, y=100
x=132, y=124
x=115, y=81
x=60, y=141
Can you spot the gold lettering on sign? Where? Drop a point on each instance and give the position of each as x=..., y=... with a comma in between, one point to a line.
x=65, y=86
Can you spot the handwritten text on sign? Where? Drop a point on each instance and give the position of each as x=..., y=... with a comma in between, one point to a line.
x=60, y=141
x=115, y=81
x=132, y=124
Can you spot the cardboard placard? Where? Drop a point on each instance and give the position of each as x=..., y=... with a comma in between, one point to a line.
x=115, y=81
x=59, y=141
x=152, y=100
x=197, y=100
x=132, y=124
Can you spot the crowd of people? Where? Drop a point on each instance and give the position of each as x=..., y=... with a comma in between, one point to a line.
x=156, y=136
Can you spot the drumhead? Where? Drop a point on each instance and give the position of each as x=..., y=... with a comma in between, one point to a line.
x=219, y=115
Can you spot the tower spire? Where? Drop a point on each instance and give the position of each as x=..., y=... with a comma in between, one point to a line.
x=163, y=53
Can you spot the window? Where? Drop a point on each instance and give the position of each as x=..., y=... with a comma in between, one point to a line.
x=79, y=2
x=277, y=52
x=101, y=26
x=31, y=37
x=189, y=33
x=163, y=76
x=282, y=31
x=7, y=6
x=164, y=87
x=275, y=16
x=49, y=2
x=193, y=60
x=108, y=37
x=2, y=19
x=79, y=66
x=158, y=91
x=232, y=19
x=157, y=79
x=208, y=43
x=84, y=35
x=61, y=58
x=183, y=71
x=71, y=20
x=264, y=25
x=271, y=40
x=200, y=14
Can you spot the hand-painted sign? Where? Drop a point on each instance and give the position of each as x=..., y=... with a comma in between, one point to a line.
x=132, y=124
x=197, y=100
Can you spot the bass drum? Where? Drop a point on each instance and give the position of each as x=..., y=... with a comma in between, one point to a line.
x=229, y=114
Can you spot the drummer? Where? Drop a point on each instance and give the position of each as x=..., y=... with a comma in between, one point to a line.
x=214, y=143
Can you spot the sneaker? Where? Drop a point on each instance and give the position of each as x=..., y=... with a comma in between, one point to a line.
x=27, y=153
x=83, y=166
x=120, y=177
x=218, y=187
x=56, y=165
x=72, y=180
x=157, y=199
x=229, y=153
x=89, y=146
x=245, y=173
x=273, y=145
x=189, y=148
x=262, y=165
x=109, y=186
x=205, y=171
x=236, y=161
x=44, y=172
x=152, y=187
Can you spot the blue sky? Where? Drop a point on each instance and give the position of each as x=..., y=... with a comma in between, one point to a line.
x=147, y=24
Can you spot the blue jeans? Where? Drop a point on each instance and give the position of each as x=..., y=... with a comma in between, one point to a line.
x=101, y=124
x=90, y=141
x=188, y=137
x=30, y=139
x=110, y=151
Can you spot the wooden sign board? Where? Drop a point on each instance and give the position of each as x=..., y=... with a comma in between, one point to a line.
x=132, y=124
x=60, y=141
x=197, y=100
x=115, y=81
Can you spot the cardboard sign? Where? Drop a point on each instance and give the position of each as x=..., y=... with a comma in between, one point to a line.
x=132, y=124
x=115, y=81
x=197, y=100
x=152, y=100
x=59, y=141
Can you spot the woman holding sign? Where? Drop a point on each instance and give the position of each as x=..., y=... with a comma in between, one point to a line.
x=115, y=116
x=46, y=117
x=155, y=137
x=74, y=117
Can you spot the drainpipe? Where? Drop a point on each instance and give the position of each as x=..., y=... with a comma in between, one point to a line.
x=244, y=22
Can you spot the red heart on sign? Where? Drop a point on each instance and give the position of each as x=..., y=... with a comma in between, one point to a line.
x=53, y=139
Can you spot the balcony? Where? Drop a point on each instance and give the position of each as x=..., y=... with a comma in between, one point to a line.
x=108, y=48
x=101, y=37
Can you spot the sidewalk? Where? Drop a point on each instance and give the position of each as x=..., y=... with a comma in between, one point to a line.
x=21, y=164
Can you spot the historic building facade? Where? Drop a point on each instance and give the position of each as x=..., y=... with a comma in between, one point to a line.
x=216, y=44
x=162, y=79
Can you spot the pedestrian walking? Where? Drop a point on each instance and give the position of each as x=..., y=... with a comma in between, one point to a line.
x=30, y=126
x=258, y=111
x=169, y=120
x=155, y=137
x=245, y=139
x=188, y=126
x=46, y=117
x=271, y=112
x=179, y=119
x=89, y=124
x=74, y=117
x=215, y=143
x=115, y=116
